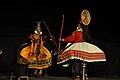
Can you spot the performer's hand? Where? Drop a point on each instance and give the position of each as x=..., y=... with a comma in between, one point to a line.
x=51, y=39
x=60, y=39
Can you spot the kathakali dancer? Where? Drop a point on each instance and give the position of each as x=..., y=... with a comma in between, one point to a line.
x=78, y=50
x=35, y=55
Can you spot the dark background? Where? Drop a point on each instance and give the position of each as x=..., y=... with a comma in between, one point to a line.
x=18, y=20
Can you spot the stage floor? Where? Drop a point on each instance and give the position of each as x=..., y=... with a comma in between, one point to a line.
x=56, y=78
x=69, y=78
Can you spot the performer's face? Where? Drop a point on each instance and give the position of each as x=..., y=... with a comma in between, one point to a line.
x=79, y=26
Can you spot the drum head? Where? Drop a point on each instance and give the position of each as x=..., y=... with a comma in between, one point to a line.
x=85, y=17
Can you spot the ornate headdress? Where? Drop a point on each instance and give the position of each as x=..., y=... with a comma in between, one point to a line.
x=85, y=17
x=38, y=29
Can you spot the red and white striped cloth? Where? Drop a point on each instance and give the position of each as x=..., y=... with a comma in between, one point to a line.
x=82, y=51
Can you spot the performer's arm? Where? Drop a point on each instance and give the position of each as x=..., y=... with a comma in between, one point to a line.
x=69, y=38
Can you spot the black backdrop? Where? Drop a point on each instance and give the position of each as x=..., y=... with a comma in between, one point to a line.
x=18, y=19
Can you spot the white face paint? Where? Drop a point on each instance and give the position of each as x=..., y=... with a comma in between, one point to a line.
x=38, y=32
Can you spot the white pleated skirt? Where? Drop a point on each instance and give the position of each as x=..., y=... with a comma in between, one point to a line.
x=82, y=51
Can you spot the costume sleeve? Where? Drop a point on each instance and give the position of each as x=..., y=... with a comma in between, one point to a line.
x=75, y=37
x=69, y=38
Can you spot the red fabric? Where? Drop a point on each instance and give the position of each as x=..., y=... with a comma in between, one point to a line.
x=77, y=54
x=75, y=37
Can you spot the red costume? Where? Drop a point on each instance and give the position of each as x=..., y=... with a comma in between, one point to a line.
x=79, y=49
x=76, y=36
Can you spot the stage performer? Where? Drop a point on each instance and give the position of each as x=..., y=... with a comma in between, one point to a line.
x=34, y=54
x=78, y=50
